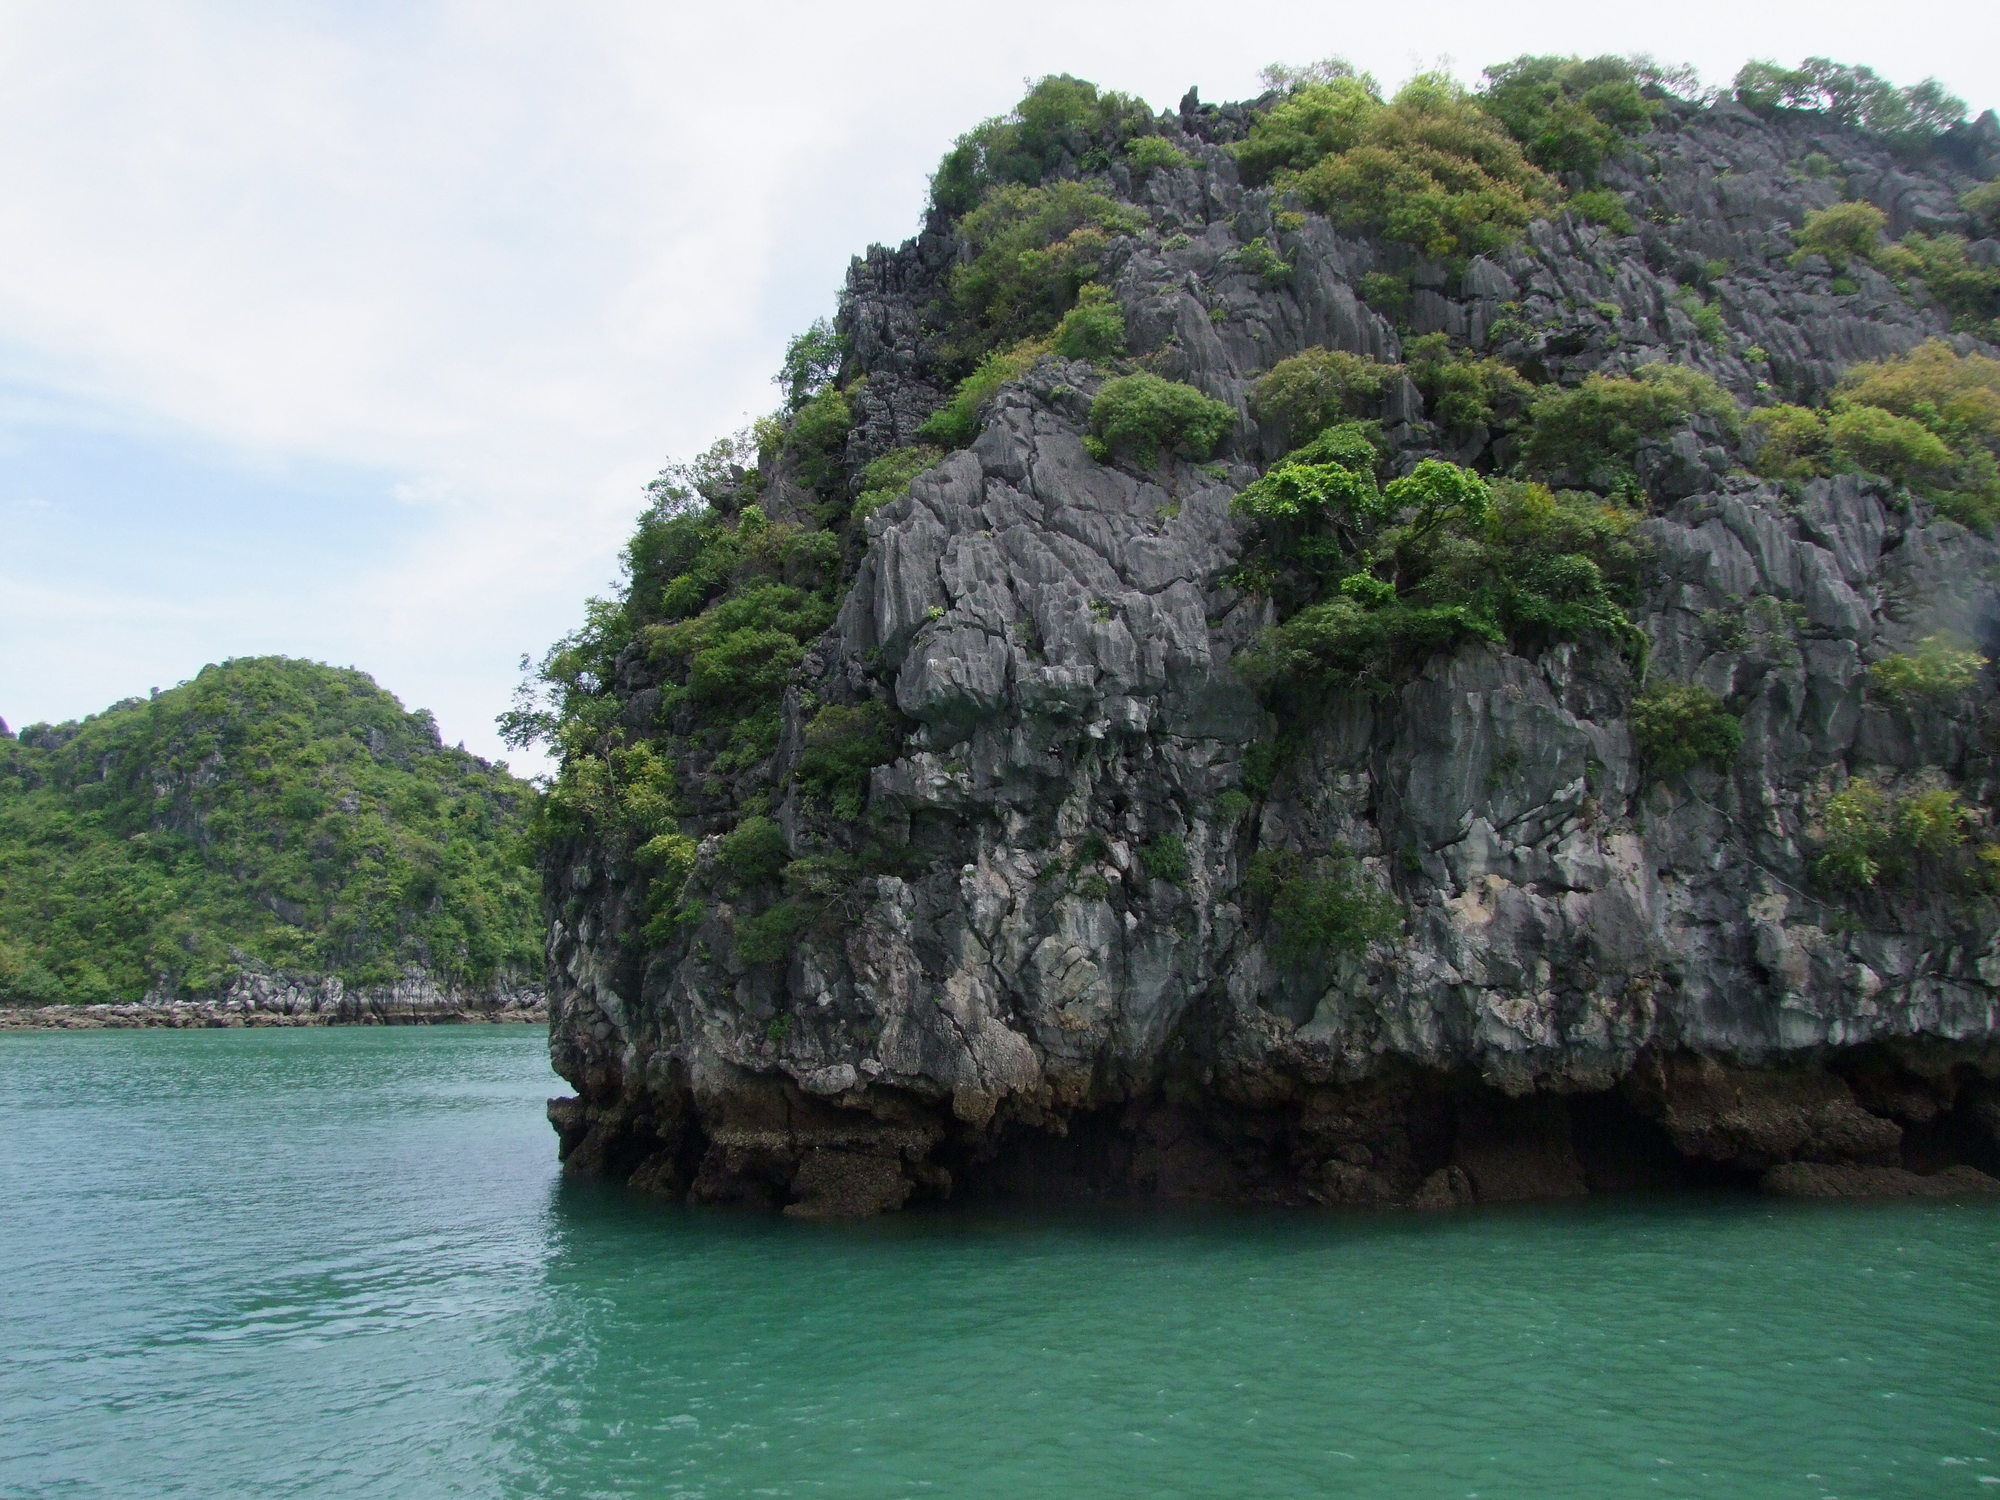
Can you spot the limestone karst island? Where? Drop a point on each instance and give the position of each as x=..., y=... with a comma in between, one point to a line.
x=1337, y=755
x=1346, y=649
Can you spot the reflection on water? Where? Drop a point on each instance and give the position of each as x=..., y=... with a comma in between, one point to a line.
x=340, y=1263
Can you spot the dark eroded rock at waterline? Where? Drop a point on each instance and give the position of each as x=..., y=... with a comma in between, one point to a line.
x=1881, y=1122
x=1604, y=976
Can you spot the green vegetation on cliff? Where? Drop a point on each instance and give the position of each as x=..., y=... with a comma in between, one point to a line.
x=720, y=721
x=1371, y=578
x=1852, y=95
x=1843, y=233
x=1928, y=420
x=1428, y=167
x=269, y=813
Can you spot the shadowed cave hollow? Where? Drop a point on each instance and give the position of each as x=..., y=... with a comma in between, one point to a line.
x=1442, y=1143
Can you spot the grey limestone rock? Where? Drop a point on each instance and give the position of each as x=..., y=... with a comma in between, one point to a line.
x=1602, y=977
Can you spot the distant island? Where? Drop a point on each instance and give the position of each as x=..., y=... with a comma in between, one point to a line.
x=273, y=842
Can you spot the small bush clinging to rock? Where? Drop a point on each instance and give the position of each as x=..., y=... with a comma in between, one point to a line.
x=1842, y=232
x=1155, y=153
x=1320, y=908
x=1680, y=725
x=1141, y=415
x=1939, y=667
x=1094, y=329
x=956, y=423
x=1032, y=250
x=1589, y=434
x=1058, y=116
x=1371, y=578
x=1570, y=113
x=1428, y=167
x=1874, y=837
x=1319, y=387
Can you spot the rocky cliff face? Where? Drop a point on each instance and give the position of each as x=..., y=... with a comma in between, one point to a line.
x=1602, y=977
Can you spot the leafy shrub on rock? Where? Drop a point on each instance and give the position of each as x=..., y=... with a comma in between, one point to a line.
x=743, y=647
x=1842, y=233
x=1939, y=667
x=1983, y=203
x=1884, y=443
x=1929, y=420
x=888, y=477
x=769, y=936
x=1141, y=415
x=1166, y=858
x=956, y=423
x=1320, y=908
x=1060, y=116
x=1967, y=289
x=1315, y=389
x=1680, y=725
x=1094, y=329
x=1604, y=207
x=1429, y=167
x=668, y=859
x=1791, y=441
x=714, y=618
x=1464, y=390
x=1956, y=398
x=1846, y=232
x=843, y=743
x=754, y=851
x=1031, y=250
x=1370, y=579
x=818, y=436
x=1155, y=153
x=1570, y=113
x=1871, y=837
x=1589, y=434
x=1260, y=260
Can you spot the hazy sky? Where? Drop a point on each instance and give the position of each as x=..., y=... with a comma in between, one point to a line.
x=352, y=330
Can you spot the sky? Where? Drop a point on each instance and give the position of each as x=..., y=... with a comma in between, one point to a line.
x=354, y=330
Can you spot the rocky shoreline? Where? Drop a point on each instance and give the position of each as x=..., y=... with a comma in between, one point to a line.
x=299, y=1000
x=200, y=1013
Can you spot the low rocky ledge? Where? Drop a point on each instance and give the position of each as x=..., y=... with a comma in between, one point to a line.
x=265, y=999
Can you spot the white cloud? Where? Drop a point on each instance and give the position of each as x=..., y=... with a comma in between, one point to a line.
x=512, y=256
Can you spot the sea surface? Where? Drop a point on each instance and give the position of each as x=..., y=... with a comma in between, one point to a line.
x=341, y=1263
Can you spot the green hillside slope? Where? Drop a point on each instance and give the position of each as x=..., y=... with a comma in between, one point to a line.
x=270, y=813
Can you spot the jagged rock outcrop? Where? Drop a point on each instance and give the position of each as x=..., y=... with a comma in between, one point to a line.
x=1604, y=979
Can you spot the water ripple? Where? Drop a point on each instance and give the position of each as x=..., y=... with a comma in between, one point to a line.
x=340, y=1263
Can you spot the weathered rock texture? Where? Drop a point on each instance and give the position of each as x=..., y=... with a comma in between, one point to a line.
x=1604, y=980
x=270, y=999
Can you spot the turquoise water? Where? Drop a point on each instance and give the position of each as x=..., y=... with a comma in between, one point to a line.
x=334, y=1263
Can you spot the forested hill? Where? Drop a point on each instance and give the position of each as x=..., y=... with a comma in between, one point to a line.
x=270, y=814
